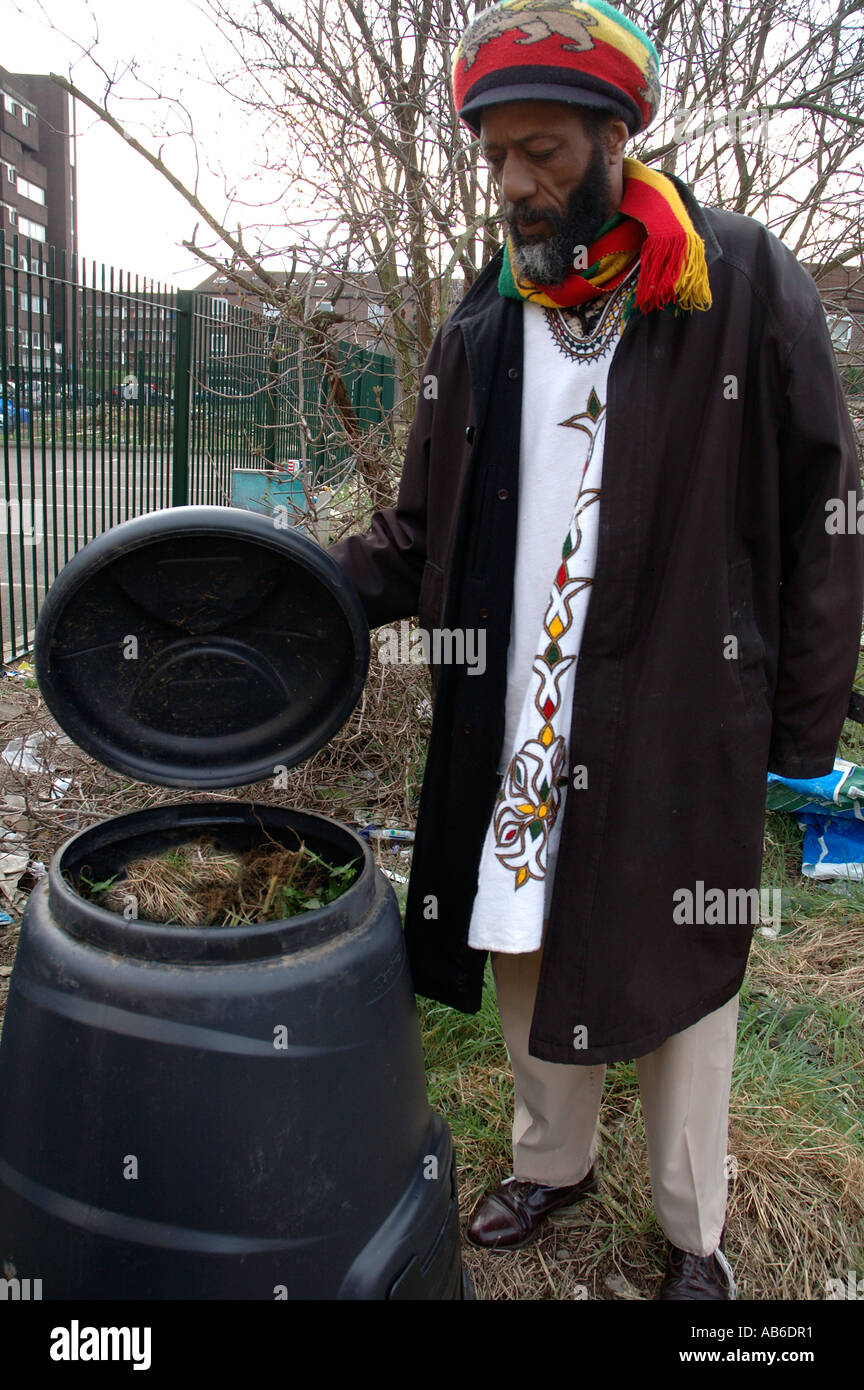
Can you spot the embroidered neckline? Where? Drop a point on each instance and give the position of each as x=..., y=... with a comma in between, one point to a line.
x=587, y=342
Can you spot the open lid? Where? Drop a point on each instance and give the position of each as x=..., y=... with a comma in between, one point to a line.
x=201, y=647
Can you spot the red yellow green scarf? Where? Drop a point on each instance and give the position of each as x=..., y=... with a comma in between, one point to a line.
x=651, y=223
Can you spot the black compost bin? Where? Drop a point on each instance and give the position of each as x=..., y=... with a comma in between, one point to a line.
x=214, y=1112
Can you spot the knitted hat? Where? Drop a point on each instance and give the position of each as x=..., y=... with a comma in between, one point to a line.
x=579, y=51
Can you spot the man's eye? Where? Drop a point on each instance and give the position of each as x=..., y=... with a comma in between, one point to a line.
x=496, y=160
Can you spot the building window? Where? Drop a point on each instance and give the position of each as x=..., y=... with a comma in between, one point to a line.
x=326, y=304
x=220, y=309
x=10, y=172
x=16, y=109
x=378, y=314
x=34, y=230
x=840, y=327
x=31, y=191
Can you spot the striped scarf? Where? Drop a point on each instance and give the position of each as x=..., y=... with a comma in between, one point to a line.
x=652, y=223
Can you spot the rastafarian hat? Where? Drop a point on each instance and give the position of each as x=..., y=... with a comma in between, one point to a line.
x=579, y=51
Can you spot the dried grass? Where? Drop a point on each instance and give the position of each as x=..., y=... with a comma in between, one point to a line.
x=199, y=884
x=822, y=956
x=177, y=886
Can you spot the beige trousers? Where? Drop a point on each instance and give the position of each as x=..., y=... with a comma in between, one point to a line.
x=684, y=1086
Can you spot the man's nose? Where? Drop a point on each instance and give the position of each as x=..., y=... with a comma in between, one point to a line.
x=517, y=180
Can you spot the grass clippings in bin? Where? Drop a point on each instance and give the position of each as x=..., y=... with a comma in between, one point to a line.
x=197, y=884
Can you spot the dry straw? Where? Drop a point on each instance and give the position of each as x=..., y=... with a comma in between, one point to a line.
x=201, y=884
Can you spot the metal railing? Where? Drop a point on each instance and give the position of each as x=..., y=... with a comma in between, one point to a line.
x=119, y=396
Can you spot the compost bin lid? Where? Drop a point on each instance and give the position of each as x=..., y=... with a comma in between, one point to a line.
x=201, y=647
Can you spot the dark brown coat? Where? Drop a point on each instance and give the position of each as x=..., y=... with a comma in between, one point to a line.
x=727, y=434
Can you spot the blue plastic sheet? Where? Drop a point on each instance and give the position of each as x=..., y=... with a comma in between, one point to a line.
x=830, y=810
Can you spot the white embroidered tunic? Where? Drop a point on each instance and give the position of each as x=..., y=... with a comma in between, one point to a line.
x=566, y=363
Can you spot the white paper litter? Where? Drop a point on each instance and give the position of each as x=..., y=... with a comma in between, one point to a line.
x=28, y=754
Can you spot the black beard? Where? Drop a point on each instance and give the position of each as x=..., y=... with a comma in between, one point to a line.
x=550, y=262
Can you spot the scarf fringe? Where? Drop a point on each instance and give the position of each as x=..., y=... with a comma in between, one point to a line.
x=694, y=288
x=673, y=270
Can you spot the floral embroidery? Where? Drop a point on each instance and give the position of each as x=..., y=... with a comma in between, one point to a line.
x=529, y=799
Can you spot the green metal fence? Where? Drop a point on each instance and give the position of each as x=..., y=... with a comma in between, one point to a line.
x=260, y=398
x=119, y=396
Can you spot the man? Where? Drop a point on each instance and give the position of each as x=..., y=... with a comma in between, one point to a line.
x=619, y=466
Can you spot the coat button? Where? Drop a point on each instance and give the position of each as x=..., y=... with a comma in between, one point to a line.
x=503, y=494
x=484, y=612
x=469, y=434
x=513, y=373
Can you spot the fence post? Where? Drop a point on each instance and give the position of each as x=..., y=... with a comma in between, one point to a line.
x=270, y=406
x=185, y=308
x=142, y=397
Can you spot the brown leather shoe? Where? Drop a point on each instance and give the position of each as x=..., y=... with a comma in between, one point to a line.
x=697, y=1277
x=511, y=1216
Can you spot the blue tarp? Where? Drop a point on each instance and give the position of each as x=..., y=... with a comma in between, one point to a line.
x=830, y=810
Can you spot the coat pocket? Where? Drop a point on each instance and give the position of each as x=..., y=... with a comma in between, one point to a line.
x=431, y=595
x=749, y=662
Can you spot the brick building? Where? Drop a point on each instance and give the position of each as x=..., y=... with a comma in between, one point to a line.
x=37, y=203
x=366, y=318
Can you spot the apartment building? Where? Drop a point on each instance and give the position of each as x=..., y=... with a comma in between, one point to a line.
x=37, y=204
x=37, y=170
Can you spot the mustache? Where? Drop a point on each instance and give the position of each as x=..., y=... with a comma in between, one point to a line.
x=515, y=212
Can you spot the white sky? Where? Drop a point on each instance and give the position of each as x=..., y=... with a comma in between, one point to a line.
x=128, y=216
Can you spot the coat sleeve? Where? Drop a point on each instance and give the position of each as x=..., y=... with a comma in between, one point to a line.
x=386, y=562
x=822, y=562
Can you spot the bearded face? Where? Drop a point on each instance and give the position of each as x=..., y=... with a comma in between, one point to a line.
x=548, y=260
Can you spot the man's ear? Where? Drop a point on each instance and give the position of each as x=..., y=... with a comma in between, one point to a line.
x=615, y=137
